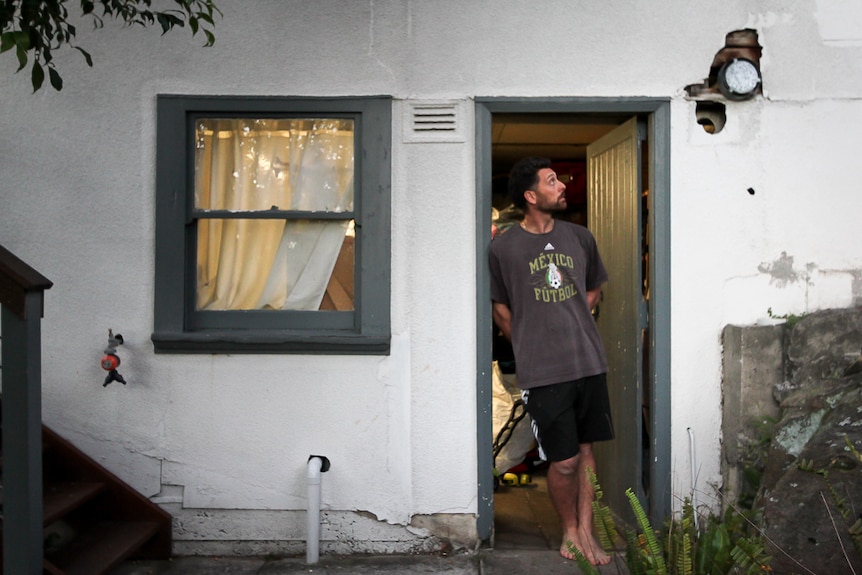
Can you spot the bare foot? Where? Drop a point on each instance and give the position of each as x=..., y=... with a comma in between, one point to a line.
x=594, y=551
x=589, y=548
x=566, y=547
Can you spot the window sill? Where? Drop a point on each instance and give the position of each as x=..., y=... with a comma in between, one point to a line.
x=266, y=341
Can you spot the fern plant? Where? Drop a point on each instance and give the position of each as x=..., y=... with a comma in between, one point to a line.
x=604, y=523
x=713, y=553
x=634, y=544
x=750, y=557
x=584, y=564
x=679, y=540
x=649, y=553
x=723, y=547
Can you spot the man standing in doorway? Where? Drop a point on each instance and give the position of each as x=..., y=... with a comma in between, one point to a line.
x=546, y=278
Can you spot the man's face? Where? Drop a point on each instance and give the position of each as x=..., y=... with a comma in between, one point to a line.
x=549, y=192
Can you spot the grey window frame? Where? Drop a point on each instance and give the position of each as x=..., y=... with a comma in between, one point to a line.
x=365, y=330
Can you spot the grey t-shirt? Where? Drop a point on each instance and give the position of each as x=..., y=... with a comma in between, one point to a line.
x=544, y=279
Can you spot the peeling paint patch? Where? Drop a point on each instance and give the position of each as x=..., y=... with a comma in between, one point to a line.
x=419, y=532
x=769, y=20
x=781, y=270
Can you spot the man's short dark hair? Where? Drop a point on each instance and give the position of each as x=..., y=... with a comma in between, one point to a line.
x=524, y=176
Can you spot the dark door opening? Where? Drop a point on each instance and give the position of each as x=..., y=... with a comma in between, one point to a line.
x=521, y=514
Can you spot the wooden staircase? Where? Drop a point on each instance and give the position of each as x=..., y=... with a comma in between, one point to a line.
x=93, y=521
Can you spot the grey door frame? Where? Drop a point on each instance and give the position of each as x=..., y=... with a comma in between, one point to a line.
x=658, y=112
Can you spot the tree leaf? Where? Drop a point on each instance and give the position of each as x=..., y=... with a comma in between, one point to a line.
x=37, y=76
x=166, y=25
x=7, y=41
x=87, y=56
x=22, y=57
x=56, y=80
x=41, y=26
x=21, y=39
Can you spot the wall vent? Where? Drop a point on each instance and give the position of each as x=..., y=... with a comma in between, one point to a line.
x=433, y=122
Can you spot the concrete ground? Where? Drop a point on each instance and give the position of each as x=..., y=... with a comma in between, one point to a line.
x=485, y=562
x=527, y=538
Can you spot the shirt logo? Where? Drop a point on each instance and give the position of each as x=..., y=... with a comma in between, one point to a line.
x=554, y=278
x=549, y=247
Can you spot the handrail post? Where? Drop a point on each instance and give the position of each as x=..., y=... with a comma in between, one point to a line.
x=22, y=440
x=21, y=306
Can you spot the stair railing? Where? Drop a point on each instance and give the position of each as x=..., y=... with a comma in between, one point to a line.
x=22, y=291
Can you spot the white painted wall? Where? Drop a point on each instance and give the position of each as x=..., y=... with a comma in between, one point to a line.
x=234, y=431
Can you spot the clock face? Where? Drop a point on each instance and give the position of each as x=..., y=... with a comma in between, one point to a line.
x=740, y=77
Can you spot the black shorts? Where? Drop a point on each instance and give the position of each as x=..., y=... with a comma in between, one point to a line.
x=565, y=415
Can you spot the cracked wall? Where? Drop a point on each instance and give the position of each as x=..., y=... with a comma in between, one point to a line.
x=783, y=287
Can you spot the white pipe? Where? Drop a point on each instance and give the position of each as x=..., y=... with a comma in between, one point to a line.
x=693, y=476
x=316, y=465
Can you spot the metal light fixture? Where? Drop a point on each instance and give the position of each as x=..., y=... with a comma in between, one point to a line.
x=735, y=70
x=738, y=79
x=734, y=75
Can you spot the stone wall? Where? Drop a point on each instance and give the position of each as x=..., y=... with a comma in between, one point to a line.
x=792, y=433
x=753, y=365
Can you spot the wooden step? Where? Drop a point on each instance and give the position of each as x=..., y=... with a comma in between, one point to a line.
x=62, y=498
x=102, y=547
x=93, y=520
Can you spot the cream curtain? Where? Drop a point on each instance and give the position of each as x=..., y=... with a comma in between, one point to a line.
x=267, y=164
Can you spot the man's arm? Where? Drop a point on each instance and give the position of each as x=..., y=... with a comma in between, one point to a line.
x=503, y=318
x=593, y=297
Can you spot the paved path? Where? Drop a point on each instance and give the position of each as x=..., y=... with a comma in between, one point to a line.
x=486, y=562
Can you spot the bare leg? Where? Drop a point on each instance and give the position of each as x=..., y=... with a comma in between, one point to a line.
x=572, y=495
x=562, y=486
x=587, y=460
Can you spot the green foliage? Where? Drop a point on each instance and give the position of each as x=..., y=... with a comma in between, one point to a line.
x=727, y=546
x=789, y=318
x=724, y=546
x=752, y=461
x=852, y=448
x=602, y=519
x=634, y=543
x=749, y=556
x=36, y=28
x=855, y=531
x=847, y=509
x=683, y=556
x=584, y=564
x=679, y=540
x=650, y=554
x=713, y=550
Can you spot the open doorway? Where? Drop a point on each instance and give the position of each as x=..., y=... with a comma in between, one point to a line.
x=582, y=138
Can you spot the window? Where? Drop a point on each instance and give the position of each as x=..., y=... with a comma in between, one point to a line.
x=272, y=225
